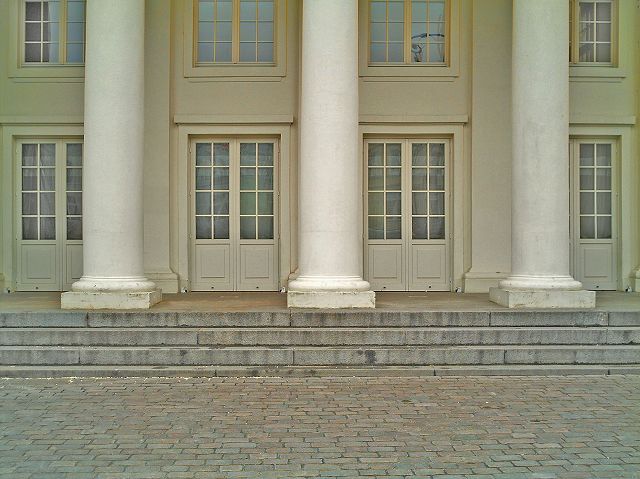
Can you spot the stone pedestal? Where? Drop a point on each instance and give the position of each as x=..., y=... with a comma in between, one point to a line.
x=113, y=155
x=330, y=200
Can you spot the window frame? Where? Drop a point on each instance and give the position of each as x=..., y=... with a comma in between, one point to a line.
x=19, y=69
x=574, y=36
x=230, y=71
x=446, y=71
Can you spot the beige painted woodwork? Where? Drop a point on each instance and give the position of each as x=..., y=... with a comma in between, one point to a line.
x=231, y=262
x=399, y=260
x=594, y=194
x=46, y=264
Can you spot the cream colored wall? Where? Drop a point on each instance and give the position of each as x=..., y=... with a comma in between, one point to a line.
x=474, y=101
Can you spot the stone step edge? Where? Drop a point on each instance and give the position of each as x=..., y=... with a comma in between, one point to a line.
x=107, y=371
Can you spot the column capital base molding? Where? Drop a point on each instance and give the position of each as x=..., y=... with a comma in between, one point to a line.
x=522, y=299
x=331, y=299
x=110, y=300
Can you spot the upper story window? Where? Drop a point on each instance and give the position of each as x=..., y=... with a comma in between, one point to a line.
x=592, y=31
x=54, y=31
x=408, y=31
x=235, y=31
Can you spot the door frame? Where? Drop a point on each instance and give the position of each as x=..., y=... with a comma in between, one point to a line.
x=234, y=241
x=574, y=205
x=193, y=126
x=406, y=181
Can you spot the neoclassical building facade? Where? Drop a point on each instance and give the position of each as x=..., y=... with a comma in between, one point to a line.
x=328, y=149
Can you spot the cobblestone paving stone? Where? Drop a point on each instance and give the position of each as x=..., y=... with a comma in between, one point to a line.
x=481, y=428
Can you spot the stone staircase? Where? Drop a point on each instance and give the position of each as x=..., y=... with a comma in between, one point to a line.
x=344, y=343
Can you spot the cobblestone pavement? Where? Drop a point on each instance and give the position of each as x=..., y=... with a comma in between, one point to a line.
x=574, y=427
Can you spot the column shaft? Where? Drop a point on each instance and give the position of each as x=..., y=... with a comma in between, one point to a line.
x=540, y=175
x=113, y=160
x=330, y=219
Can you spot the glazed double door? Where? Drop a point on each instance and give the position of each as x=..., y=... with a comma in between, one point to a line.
x=234, y=204
x=407, y=214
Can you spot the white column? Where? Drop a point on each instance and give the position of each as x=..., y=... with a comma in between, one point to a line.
x=330, y=218
x=113, y=154
x=540, y=274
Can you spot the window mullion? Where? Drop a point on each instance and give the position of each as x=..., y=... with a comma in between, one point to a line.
x=407, y=32
x=235, y=28
x=62, y=32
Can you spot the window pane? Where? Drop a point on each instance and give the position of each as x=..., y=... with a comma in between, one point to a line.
x=47, y=228
x=419, y=228
x=205, y=32
x=394, y=157
x=586, y=178
x=587, y=203
x=247, y=32
x=604, y=155
x=586, y=155
x=436, y=228
x=74, y=228
x=419, y=154
x=376, y=179
x=247, y=154
x=221, y=178
x=436, y=179
x=203, y=227
x=221, y=203
x=436, y=11
x=74, y=154
x=29, y=155
x=265, y=203
x=30, y=228
x=247, y=203
x=586, y=52
x=265, y=178
x=586, y=12
x=394, y=179
x=51, y=32
x=418, y=10
x=221, y=227
x=225, y=10
x=436, y=53
x=32, y=11
x=265, y=10
x=203, y=203
x=376, y=227
x=247, y=10
x=203, y=178
x=33, y=32
x=376, y=203
x=74, y=203
x=396, y=10
x=604, y=227
x=603, y=32
x=419, y=204
x=265, y=31
x=48, y=203
x=419, y=179
x=378, y=11
x=74, y=179
x=265, y=52
x=394, y=225
x=29, y=203
x=32, y=52
x=203, y=154
x=205, y=10
x=587, y=227
x=265, y=154
x=221, y=154
x=265, y=227
x=205, y=52
x=223, y=51
x=436, y=154
x=75, y=32
x=604, y=203
x=29, y=179
x=51, y=11
x=247, y=178
x=603, y=11
x=47, y=179
x=436, y=203
x=376, y=154
x=247, y=227
x=603, y=179
x=248, y=52
x=378, y=52
x=396, y=32
x=223, y=32
x=395, y=52
x=48, y=155
x=603, y=52
x=378, y=32
x=394, y=204
x=50, y=52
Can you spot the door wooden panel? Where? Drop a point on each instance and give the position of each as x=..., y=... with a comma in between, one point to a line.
x=39, y=268
x=73, y=270
x=386, y=270
x=213, y=268
x=429, y=268
x=596, y=266
x=257, y=268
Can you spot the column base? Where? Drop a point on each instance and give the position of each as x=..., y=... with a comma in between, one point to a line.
x=512, y=298
x=110, y=300
x=331, y=299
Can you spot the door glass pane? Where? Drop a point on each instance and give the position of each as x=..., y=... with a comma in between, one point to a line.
x=203, y=203
x=376, y=227
x=74, y=179
x=48, y=154
x=30, y=228
x=74, y=203
x=394, y=179
x=247, y=227
x=221, y=227
x=47, y=228
x=221, y=203
x=436, y=154
x=376, y=179
x=394, y=225
x=436, y=203
x=29, y=203
x=265, y=178
x=203, y=227
x=436, y=228
x=29, y=155
x=586, y=179
x=604, y=227
x=247, y=154
x=203, y=178
x=47, y=179
x=203, y=154
x=74, y=154
x=247, y=203
x=586, y=155
x=587, y=227
x=376, y=154
x=394, y=157
x=247, y=178
x=48, y=203
x=29, y=179
x=220, y=178
x=265, y=203
x=436, y=179
x=419, y=203
x=419, y=227
x=221, y=154
x=265, y=154
x=394, y=202
x=603, y=179
x=376, y=203
x=419, y=154
x=604, y=203
x=265, y=227
x=74, y=228
x=587, y=203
